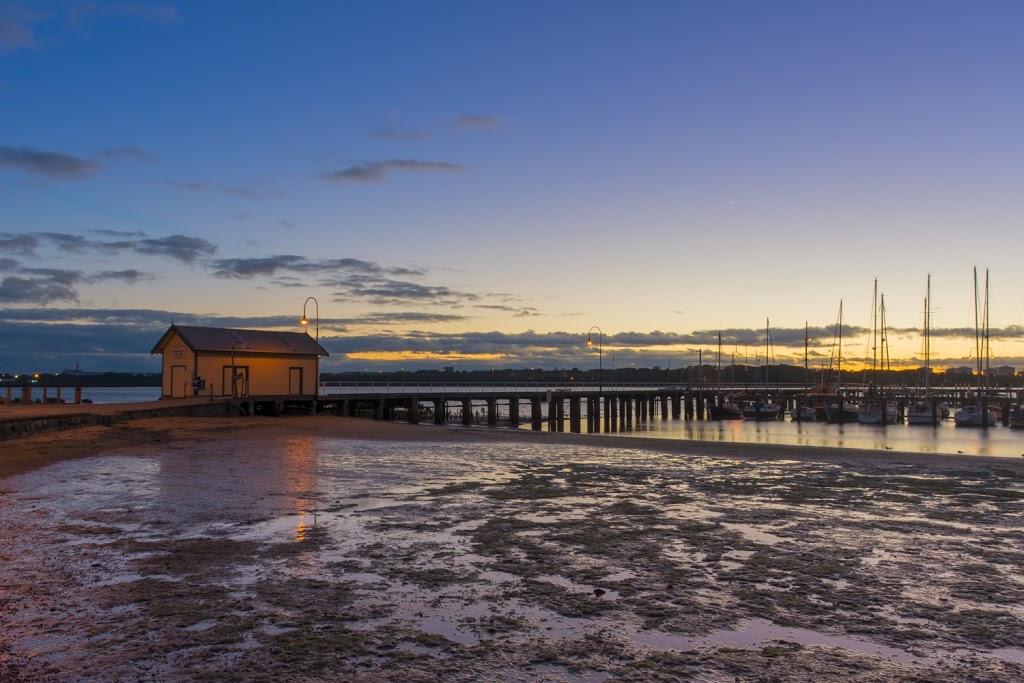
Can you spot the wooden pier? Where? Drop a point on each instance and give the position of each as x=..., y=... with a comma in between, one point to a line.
x=605, y=408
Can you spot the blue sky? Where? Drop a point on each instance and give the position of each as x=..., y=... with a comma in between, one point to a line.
x=478, y=184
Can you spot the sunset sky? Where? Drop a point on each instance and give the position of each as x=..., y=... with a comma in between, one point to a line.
x=478, y=184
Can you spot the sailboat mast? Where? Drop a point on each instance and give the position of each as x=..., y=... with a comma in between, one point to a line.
x=874, y=333
x=807, y=370
x=883, y=357
x=927, y=337
x=987, y=340
x=977, y=339
x=839, y=372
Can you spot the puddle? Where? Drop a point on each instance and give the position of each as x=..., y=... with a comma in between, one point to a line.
x=758, y=633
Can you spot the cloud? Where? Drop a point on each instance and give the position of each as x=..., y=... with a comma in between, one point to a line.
x=253, y=193
x=377, y=171
x=245, y=268
x=66, y=242
x=406, y=317
x=516, y=311
x=178, y=247
x=383, y=291
x=40, y=286
x=389, y=134
x=128, y=276
x=126, y=152
x=470, y=121
x=81, y=13
x=18, y=244
x=119, y=233
x=50, y=164
x=189, y=185
x=16, y=27
x=247, y=192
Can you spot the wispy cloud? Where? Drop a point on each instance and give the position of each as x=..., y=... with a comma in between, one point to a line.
x=377, y=171
x=49, y=164
x=158, y=13
x=467, y=121
x=130, y=276
x=390, y=134
x=18, y=244
x=178, y=247
x=16, y=30
x=244, y=191
x=126, y=152
x=190, y=185
x=181, y=248
x=254, y=192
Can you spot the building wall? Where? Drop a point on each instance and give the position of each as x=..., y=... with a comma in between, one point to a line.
x=175, y=354
x=266, y=375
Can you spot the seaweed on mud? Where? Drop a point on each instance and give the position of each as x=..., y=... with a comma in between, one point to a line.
x=528, y=487
x=563, y=601
x=188, y=556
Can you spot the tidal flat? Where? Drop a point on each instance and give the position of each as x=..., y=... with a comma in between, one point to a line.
x=422, y=554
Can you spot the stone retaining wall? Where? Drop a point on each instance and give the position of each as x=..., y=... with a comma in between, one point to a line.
x=11, y=428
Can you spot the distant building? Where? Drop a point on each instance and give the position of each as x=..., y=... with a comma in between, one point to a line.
x=1004, y=371
x=961, y=370
x=238, y=362
x=77, y=371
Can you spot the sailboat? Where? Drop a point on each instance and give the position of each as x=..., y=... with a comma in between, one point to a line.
x=727, y=409
x=762, y=408
x=876, y=410
x=922, y=411
x=973, y=414
x=802, y=412
x=840, y=411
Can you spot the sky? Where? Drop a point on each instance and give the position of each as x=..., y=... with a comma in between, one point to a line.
x=484, y=184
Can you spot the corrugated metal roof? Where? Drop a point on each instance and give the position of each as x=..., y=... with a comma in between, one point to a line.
x=247, y=341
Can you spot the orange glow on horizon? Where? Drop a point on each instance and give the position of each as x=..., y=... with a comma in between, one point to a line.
x=425, y=356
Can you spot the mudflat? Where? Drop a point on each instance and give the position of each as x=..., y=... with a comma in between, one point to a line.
x=326, y=548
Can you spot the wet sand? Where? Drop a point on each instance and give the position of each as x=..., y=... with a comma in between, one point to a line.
x=326, y=548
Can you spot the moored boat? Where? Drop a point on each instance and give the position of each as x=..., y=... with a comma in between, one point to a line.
x=971, y=415
x=877, y=413
x=804, y=414
x=1015, y=418
x=728, y=410
x=761, y=410
x=925, y=411
x=920, y=413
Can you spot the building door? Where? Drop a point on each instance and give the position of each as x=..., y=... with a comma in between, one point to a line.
x=241, y=380
x=295, y=381
x=178, y=381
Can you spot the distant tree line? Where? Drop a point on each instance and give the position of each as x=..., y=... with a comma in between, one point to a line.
x=98, y=379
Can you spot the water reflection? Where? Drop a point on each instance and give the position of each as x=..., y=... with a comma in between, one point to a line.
x=944, y=438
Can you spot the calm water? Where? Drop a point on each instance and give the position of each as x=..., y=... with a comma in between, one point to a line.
x=114, y=394
x=943, y=438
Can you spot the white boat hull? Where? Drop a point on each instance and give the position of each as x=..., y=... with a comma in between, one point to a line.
x=872, y=414
x=972, y=416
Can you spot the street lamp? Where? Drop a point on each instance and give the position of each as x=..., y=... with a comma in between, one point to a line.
x=600, y=354
x=305, y=321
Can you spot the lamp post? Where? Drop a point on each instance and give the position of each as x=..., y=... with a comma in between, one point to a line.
x=305, y=321
x=600, y=355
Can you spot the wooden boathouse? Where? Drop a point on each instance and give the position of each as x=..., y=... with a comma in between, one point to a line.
x=223, y=362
